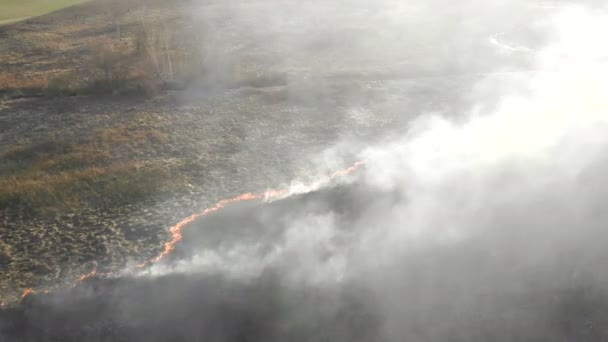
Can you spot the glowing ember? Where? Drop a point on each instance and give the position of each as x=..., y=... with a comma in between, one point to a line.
x=27, y=292
x=88, y=275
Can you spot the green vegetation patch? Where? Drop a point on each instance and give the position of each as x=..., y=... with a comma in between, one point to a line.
x=15, y=10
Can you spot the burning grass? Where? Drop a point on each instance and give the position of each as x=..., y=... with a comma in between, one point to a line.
x=66, y=202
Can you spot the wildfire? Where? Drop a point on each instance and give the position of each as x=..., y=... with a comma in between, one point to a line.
x=92, y=274
x=27, y=292
x=347, y=171
x=176, y=231
x=88, y=275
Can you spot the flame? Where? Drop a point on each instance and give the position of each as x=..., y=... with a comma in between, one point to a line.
x=92, y=274
x=27, y=292
x=347, y=171
x=86, y=276
x=176, y=230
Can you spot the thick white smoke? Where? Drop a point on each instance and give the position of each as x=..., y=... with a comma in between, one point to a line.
x=548, y=126
x=488, y=210
x=511, y=196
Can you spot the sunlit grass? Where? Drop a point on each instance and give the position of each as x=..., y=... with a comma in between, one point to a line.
x=15, y=10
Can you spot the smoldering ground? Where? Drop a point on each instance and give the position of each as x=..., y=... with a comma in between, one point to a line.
x=488, y=226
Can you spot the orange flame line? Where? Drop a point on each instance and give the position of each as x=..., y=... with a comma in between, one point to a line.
x=27, y=292
x=176, y=230
x=347, y=171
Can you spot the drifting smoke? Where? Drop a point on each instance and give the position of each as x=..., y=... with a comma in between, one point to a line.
x=485, y=226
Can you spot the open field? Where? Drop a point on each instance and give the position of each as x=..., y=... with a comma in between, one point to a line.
x=15, y=10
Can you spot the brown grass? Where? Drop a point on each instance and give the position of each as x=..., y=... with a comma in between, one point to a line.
x=56, y=175
x=14, y=82
x=108, y=139
x=95, y=186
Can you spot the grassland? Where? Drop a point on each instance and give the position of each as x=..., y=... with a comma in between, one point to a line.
x=59, y=175
x=15, y=10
